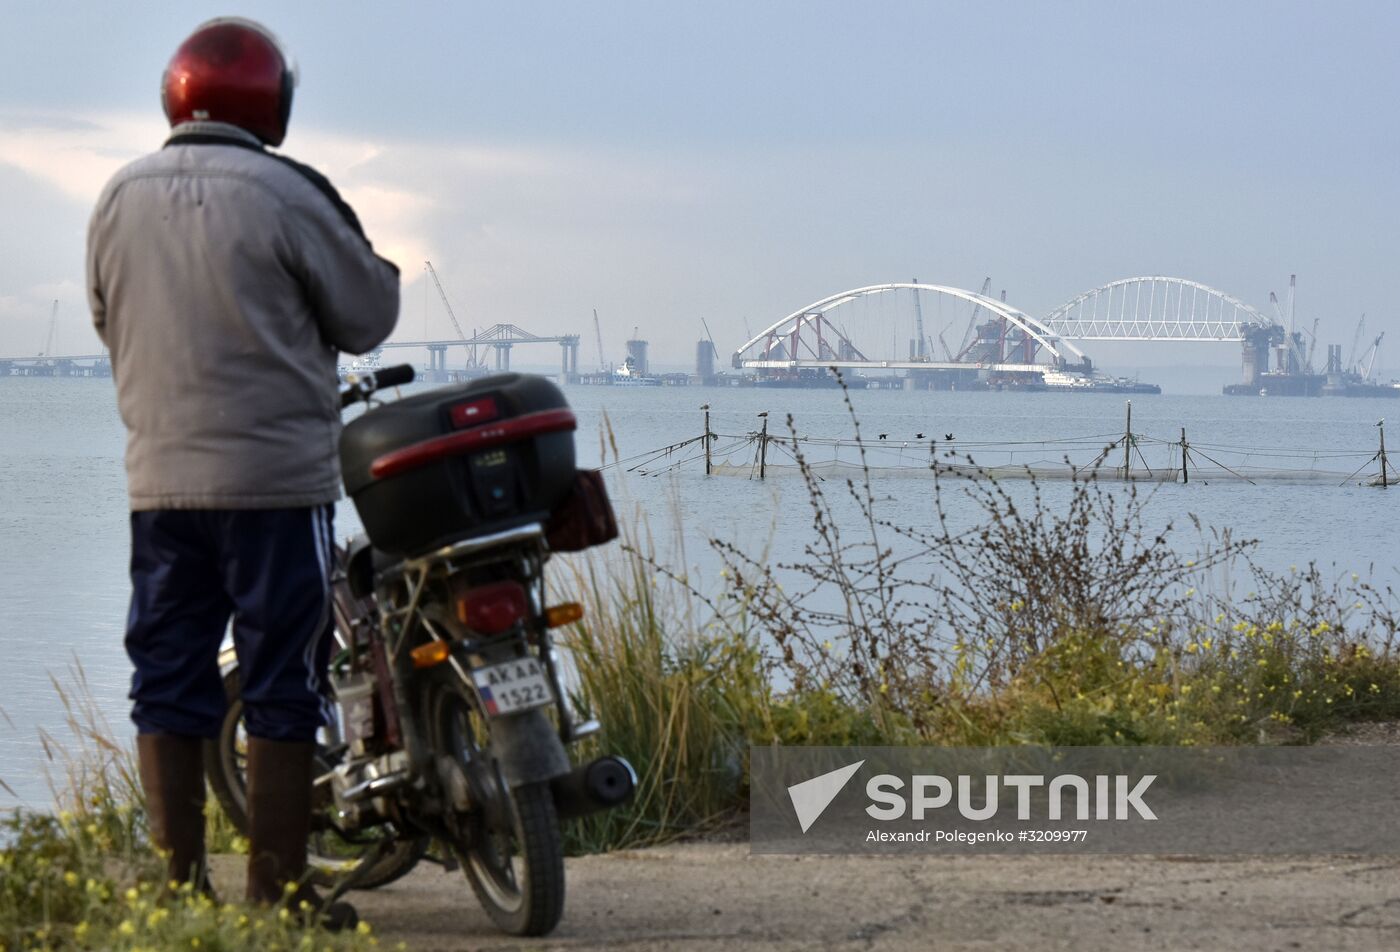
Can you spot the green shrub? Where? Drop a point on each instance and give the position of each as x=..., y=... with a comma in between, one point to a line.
x=818, y=718
x=88, y=877
x=672, y=701
x=1310, y=678
x=1075, y=620
x=65, y=883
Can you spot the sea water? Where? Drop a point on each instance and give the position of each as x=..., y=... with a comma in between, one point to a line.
x=64, y=526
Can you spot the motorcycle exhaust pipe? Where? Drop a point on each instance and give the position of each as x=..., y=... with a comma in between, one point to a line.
x=601, y=785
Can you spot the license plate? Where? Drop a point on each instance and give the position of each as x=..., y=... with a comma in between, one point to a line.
x=512, y=686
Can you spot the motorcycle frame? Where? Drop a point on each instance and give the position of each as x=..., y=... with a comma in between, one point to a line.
x=361, y=620
x=400, y=592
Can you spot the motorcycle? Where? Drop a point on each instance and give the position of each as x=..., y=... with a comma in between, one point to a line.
x=452, y=724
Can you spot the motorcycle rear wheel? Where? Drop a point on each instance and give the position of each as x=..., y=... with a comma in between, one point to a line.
x=510, y=846
x=329, y=857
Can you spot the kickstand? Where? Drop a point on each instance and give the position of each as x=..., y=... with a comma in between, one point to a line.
x=448, y=860
x=357, y=875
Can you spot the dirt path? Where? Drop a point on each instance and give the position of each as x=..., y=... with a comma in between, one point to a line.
x=718, y=897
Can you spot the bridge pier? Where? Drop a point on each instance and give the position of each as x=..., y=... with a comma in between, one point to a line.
x=500, y=337
x=86, y=365
x=1257, y=343
x=568, y=370
x=437, y=363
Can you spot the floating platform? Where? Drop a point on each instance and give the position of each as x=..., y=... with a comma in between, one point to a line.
x=1279, y=385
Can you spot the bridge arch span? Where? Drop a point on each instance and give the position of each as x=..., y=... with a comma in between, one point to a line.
x=789, y=326
x=1155, y=307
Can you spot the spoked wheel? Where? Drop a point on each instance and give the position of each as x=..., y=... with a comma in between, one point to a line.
x=508, y=842
x=329, y=856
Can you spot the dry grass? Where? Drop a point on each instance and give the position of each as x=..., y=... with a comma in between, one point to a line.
x=87, y=877
x=674, y=701
x=1065, y=621
x=1072, y=621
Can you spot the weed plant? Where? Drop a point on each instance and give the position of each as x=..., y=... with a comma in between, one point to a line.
x=674, y=701
x=87, y=877
x=1064, y=621
x=1067, y=623
x=1071, y=622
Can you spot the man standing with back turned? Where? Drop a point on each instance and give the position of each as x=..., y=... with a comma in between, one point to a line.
x=224, y=279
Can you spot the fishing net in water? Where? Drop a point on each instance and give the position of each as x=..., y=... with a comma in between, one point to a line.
x=1136, y=457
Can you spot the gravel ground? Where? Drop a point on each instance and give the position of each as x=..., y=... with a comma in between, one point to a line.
x=715, y=896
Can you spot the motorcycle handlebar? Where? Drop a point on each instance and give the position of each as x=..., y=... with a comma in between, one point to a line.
x=393, y=376
x=362, y=385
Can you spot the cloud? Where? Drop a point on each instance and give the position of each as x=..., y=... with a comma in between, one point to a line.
x=521, y=234
x=539, y=234
x=29, y=121
x=527, y=235
x=77, y=154
x=393, y=216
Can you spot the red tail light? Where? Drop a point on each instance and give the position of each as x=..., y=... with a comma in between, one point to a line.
x=492, y=609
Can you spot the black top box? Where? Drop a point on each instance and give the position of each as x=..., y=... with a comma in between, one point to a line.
x=459, y=461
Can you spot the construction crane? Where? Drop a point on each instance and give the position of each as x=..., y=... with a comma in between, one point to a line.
x=1368, y=359
x=711, y=338
x=1295, y=350
x=1292, y=346
x=1294, y=338
x=598, y=332
x=943, y=342
x=922, y=350
x=48, y=340
x=471, y=354
x=972, y=322
x=1355, y=343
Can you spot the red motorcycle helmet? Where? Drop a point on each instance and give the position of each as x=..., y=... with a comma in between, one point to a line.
x=231, y=70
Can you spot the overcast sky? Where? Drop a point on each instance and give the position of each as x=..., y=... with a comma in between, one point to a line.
x=667, y=162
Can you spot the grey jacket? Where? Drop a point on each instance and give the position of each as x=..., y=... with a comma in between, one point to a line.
x=224, y=279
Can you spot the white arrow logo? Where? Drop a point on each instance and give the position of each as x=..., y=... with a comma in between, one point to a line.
x=810, y=798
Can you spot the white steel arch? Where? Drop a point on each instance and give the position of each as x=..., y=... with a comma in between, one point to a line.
x=1155, y=307
x=1054, y=343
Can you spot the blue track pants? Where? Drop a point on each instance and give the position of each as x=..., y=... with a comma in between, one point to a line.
x=267, y=569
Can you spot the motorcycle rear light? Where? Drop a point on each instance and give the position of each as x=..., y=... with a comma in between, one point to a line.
x=492, y=609
x=565, y=614
x=433, y=653
x=477, y=411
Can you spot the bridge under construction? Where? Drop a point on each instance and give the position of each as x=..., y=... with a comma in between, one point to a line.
x=917, y=335
x=959, y=339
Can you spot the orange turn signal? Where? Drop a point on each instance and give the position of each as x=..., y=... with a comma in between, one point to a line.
x=433, y=653
x=565, y=614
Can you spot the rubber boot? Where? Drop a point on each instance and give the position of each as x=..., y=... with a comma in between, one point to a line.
x=279, y=822
x=172, y=775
